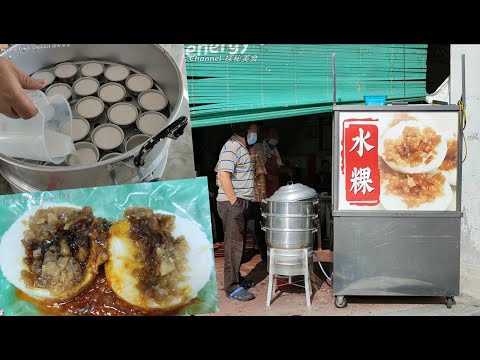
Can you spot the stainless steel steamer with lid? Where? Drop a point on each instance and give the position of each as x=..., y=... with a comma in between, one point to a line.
x=148, y=59
x=289, y=224
x=288, y=217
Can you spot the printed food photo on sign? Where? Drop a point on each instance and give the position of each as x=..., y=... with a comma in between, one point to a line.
x=398, y=161
x=143, y=249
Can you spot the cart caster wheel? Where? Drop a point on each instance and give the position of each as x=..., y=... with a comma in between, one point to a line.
x=340, y=302
x=449, y=302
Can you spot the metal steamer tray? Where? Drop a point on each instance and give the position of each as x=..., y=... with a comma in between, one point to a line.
x=129, y=167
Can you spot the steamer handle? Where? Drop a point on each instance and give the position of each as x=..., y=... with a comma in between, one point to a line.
x=173, y=131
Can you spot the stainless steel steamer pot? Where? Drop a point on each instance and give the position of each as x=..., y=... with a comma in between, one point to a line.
x=288, y=217
x=149, y=59
x=290, y=239
x=301, y=207
x=289, y=261
x=288, y=222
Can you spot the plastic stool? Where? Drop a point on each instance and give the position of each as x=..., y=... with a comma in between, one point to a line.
x=300, y=267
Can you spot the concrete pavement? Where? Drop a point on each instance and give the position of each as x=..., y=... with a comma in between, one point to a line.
x=292, y=302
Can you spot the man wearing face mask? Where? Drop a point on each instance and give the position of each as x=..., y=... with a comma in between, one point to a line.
x=268, y=151
x=236, y=190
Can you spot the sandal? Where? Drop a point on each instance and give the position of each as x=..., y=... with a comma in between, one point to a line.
x=241, y=294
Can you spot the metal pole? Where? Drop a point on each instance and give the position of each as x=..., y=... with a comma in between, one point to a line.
x=463, y=81
x=404, y=78
x=334, y=79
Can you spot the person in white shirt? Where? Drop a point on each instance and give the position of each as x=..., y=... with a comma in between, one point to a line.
x=236, y=190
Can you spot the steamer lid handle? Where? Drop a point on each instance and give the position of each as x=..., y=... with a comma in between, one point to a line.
x=173, y=131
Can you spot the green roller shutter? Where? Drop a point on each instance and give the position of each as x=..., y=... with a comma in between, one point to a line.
x=276, y=81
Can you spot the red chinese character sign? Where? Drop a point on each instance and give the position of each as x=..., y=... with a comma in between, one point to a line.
x=360, y=161
x=394, y=160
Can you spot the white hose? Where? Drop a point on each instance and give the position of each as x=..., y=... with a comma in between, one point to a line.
x=321, y=267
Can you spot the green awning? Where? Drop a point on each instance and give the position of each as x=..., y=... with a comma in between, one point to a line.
x=277, y=81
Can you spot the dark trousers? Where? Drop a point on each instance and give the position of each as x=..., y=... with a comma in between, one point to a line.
x=253, y=220
x=233, y=219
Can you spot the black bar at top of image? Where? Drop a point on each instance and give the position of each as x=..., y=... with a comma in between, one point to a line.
x=320, y=24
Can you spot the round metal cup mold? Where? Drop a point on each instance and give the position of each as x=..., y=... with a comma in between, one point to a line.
x=122, y=114
x=66, y=72
x=152, y=100
x=107, y=136
x=46, y=75
x=90, y=107
x=93, y=69
x=116, y=73
x=87, y=154
x=62, y=89
x=80, y=128
x=137, y=83
x=85, y=86
x=135, y=141
x=151, y=122
x=111, y=93
x=129, y=132
x=110, y=156
x=94, y=124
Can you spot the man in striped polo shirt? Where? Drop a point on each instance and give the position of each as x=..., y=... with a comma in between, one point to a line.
x=236, y=190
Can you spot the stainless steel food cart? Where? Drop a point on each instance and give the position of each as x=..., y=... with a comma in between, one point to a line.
x=379, y=252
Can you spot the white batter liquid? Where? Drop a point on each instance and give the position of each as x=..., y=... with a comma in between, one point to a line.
x=107, y=138
x=60, y=89
x=135, y=141
x=89, y=107
x=46, y=76
x=151, y=123
x=85, y=87
x=58, y=145
x=65, y=71
x=123, y=114
x=84, y=156
x=80, y=128
x=153, y=101
x=91, y=69
x=139, y=83
x=111, y=93
x=117, y=73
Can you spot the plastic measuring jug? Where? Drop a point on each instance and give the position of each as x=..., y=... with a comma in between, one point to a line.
x=45, y=137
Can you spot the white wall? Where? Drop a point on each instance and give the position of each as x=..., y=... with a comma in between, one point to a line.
x=470, y=241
